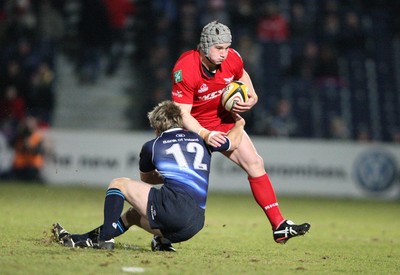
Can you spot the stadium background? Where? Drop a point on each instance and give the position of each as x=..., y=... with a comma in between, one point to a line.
x=324, y=70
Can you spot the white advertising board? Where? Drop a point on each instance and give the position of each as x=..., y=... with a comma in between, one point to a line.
x=6, y=155
x=296, y=167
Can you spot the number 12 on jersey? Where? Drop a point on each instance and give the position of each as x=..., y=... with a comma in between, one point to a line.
x=181, y=159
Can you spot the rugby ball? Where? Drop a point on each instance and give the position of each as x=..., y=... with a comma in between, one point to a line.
x=234, y=92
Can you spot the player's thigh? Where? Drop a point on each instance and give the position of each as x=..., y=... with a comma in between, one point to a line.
x=246, y=156
x=135, y=192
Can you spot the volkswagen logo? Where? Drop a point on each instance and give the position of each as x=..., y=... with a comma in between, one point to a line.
x=375, y=170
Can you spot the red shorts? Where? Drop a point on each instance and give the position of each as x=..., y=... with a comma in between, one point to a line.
x=224, y=127
x=222, y=124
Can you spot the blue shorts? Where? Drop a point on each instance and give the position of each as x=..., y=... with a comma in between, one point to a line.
x=174, y=213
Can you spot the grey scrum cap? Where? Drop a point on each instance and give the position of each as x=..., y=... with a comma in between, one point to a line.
x=214, y=33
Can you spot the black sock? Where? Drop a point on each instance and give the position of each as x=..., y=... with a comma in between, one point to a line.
x=94, y=234
x=113, y=206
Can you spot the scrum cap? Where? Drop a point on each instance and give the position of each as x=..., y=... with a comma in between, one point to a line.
x=214, y=33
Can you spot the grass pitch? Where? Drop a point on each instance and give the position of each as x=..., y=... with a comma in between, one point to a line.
x=346, y=237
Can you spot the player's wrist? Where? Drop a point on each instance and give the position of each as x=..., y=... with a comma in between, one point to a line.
x=204, y=133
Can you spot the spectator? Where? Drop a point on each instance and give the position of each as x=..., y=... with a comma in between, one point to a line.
x=329, y=32
x=14, y=76
x=12, y=111
x=188, y=26
x=272, y=26
x=94, y=34
x=301, y=27
x=327, y=66
x=272, y=34
x=363, y=134
x=27, y=56
x=250, y=51
x=304, y=66
x=118, y=12
x=3, y=21
x=395, y=135
x=215, y=10
x=323, y=10
x=21, y=21
x=282, y=123
x=41, y=96
x=339, y=128
x=243, y=17
x=352, y=40
x=50, y=31
x=12, y=104
x=29, y=151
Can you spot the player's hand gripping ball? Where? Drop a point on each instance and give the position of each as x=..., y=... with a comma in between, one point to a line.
x=234, y=92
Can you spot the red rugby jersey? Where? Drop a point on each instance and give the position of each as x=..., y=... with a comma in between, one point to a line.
x=192, y=86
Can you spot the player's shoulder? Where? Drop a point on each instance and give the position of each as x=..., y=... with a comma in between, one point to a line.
x=234, y=55
x=149, y=144
x=183, y=70
x=188, y=58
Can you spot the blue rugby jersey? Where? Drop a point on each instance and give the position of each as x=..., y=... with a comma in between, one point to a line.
x=183, y=159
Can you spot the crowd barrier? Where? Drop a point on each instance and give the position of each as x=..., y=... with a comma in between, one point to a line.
x=296, y=167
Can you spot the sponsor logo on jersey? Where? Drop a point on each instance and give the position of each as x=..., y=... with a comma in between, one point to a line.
x=203, y=89
x=211, y=95
x=228, y=80
x=177, y=93
x=178, y=76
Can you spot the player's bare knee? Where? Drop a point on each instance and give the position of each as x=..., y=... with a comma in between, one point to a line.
x=255, y=163
x=119, y=183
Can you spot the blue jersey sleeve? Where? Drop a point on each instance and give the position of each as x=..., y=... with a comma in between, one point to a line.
x=224, y=147
x=146, y=157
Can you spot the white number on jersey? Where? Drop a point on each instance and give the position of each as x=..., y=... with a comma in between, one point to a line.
x=191, y=147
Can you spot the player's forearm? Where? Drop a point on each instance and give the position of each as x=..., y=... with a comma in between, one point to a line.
x=236, y=133
x=193, y=125
x=213, y=138
x=189, y=122
x=247, y=80
x=152, y=177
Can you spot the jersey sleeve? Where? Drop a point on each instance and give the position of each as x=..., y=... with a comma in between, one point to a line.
x=184, y=79
x=146, y=158
x=182, y=92
x=224, y=147
x=238, y=64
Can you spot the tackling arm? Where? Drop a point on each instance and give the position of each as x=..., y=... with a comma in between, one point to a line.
x=212, y=138
x=236, y=133
x=152, y=177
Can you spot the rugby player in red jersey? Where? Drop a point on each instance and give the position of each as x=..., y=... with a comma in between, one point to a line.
x=199, y=77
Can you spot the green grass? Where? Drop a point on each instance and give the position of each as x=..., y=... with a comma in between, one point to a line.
x=346, y=237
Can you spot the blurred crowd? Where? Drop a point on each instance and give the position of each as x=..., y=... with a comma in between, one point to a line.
x=30, y=35
x=322, y=69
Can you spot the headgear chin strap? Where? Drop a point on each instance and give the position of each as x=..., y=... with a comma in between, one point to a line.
x=214, y=33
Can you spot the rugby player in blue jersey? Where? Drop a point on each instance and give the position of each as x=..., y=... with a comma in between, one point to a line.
x=180, y=161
